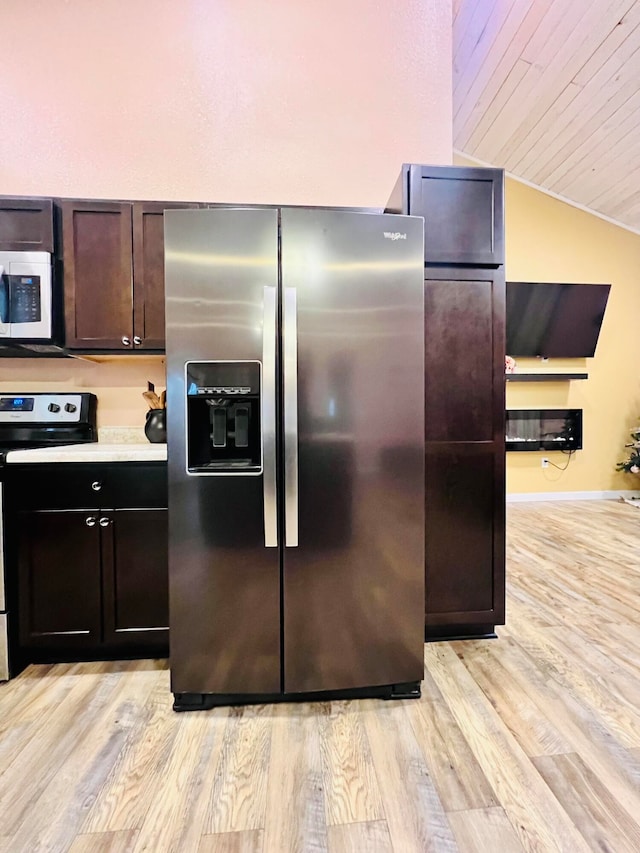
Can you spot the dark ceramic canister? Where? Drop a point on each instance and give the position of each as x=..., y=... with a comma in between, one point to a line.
x=155, y=427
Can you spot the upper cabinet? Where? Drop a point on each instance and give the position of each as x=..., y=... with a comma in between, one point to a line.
x=148, y=274
x=26, y=224
x=462, y=209
x=97, y=270
x=113, y=272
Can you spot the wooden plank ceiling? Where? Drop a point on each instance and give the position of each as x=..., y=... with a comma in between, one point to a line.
x=550, y=91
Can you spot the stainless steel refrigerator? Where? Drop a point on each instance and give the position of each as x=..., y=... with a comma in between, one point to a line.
x=295, y=407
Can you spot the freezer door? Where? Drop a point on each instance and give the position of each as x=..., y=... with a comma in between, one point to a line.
x=353, y=393
x=221, y=270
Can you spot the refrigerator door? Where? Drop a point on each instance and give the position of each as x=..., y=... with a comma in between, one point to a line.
x=221, y=268
x=353, y=355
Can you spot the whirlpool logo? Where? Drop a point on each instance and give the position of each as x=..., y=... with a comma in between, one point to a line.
x=394, y=235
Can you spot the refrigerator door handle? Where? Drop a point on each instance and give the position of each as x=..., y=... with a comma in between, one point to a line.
x=268, y=417
x=290, y=359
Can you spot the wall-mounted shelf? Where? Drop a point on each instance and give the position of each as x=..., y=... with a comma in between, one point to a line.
x=544, y=377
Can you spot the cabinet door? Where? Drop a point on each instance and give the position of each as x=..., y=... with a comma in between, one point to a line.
x=136, y=577
x=464, y=466
x=464, y=356
x=26, y=224
x=59, y=579
x=463, y=213
x=97, y=270
x=148, y=272
x=464, y=541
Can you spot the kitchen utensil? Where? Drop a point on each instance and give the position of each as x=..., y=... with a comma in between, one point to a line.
x=152, y=399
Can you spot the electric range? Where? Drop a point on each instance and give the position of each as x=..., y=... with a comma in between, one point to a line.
x=33, y=420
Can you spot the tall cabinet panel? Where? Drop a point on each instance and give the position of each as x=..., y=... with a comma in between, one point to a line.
x=464, y=393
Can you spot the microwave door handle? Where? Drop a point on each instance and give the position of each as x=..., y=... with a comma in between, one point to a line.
x=268, y=417
x=290, y=359
x=5, y=305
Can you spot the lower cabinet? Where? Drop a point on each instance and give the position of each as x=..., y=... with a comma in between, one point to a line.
x=464, y=542
x=59, y=576
x=91, y=581
x=135, y=588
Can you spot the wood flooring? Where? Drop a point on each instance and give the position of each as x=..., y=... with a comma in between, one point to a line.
x=528, y=742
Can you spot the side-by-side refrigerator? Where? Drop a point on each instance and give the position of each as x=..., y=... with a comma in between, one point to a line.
x=295, y=405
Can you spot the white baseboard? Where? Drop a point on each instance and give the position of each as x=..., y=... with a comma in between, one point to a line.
x=573, y=496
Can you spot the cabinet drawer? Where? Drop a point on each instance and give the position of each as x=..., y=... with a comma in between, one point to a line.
x=138, y=485
x=81, y=486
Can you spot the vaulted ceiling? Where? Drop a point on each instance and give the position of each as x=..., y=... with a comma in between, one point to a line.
x=549, y=90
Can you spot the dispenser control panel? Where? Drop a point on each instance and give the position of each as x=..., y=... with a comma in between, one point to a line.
x=223, y=389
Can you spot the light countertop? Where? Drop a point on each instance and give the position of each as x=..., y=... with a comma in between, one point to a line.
x=97, y=451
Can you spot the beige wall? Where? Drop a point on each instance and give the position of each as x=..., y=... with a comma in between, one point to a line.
x=284, y=101
x=548, y=240
x=118, y=382
x=287, y=102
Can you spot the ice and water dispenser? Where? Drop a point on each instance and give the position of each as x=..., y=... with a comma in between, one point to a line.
x=223, y=417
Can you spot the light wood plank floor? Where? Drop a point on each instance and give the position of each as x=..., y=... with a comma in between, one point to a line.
x=529, y=742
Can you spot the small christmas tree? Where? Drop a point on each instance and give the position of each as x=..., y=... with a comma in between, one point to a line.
x=632, y=464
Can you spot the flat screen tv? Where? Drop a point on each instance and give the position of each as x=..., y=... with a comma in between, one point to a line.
x=554, y=320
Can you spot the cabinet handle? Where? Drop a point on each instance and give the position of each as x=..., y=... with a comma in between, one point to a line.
x=104, y=521
x=137, y=340
x=96, y=485
x=126, y=340
x=90, y=521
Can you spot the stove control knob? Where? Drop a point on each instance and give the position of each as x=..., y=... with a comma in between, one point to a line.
x=53, y=407
x=70, y=407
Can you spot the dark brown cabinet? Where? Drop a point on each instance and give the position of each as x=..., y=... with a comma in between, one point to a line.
x=113, y=272
x=463, y=212
x=464, y=546
x=464, y=447
x=26, y=224
x=135, y=577
x=59, y=579
x=460, y=356
x=464, y=394
x=90, y=580
x=97, y=270
x=148, y=274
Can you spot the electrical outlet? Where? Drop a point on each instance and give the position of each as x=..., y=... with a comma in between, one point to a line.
x=545, y=462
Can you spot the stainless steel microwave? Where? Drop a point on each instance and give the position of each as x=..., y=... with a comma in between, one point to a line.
x=25, y=296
